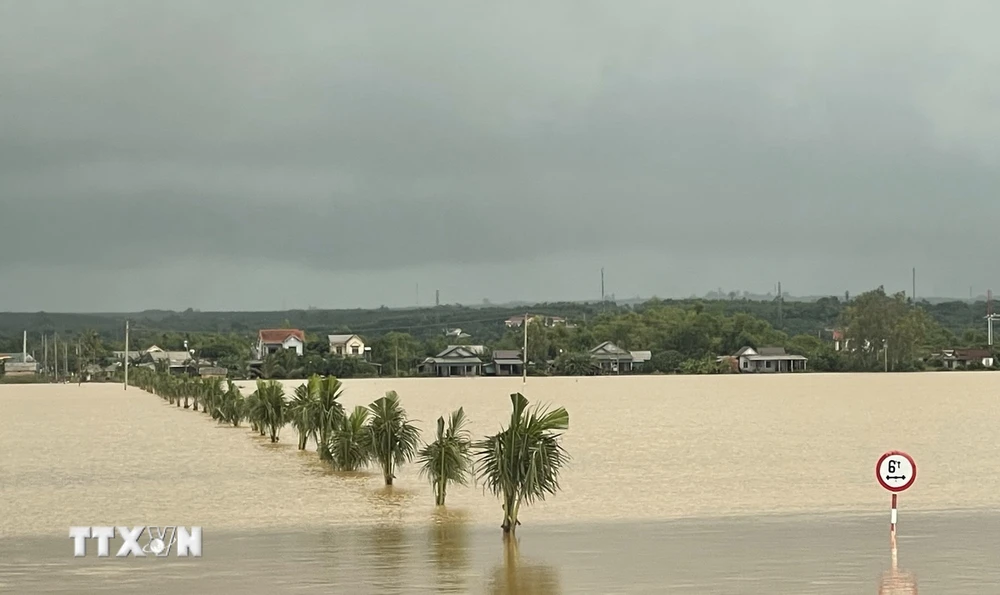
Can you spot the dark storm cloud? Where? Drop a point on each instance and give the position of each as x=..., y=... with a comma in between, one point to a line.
x=358, y=138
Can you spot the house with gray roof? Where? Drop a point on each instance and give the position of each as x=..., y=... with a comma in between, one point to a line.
x=505, y=362
x=456, y=360
x=611, y=359
x=766, y=360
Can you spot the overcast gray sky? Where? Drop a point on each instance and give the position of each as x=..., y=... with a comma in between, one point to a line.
x=237, y=154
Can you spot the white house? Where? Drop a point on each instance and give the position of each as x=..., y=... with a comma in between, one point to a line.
x=766, y=359
x=347, y=345
x=273, y=340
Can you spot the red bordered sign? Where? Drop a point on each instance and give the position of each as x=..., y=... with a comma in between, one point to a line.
x=896, y=471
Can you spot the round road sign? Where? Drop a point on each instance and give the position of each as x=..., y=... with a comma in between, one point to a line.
x=896, y=471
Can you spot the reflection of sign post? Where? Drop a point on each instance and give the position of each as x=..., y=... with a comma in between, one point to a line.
x=895, y=472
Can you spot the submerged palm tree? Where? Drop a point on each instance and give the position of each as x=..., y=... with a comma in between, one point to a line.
x=302, y=410
x=328, y=415
x=447, y=459
x=394, y=439
x=233, y=406
x=521, y=463
x=272, y=409
x=350, y=442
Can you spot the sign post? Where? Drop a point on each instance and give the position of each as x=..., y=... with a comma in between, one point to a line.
x=895, y=471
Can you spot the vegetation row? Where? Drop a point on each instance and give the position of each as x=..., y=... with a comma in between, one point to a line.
x=520, y=464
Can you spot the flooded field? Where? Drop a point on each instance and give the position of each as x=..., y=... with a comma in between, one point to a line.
x=678, y=484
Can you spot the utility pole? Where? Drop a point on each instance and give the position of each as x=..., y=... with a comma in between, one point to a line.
x=126, y=355
x=602, y=289
x=45, y=353
x=396, y=369
x=55, y=355
x=66, y=360
x=780, y=301
x=524, y=355
x=887, y=355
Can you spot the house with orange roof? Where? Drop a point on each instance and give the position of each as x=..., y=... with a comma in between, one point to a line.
x=273, y=340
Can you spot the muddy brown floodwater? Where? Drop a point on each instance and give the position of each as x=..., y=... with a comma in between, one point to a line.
x=715, y=484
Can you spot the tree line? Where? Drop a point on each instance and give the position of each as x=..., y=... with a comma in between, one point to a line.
x=520, y=464
x=683, y=336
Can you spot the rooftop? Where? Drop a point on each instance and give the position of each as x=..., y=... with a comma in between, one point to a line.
x=281, y=335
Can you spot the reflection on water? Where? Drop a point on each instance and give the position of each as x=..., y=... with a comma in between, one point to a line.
x=449, y=539
x=896, y=581
x=518, y=577
x=387, y=557
x=953, y=554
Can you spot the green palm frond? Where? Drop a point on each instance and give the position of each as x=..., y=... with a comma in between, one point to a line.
x=447, y=459
x=394, y=440
x=349, y=445
x=521, y=463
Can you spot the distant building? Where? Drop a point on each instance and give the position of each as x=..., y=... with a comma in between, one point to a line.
x=134, y=355
x=766, y=360
x=18, y=364
x=640, y=358
x=273, y=340
x=346, y=345
x=505, y=362
x=456, y=360
x=212, y=372
x=952, y=359
x=612, y=359
x=518, y=320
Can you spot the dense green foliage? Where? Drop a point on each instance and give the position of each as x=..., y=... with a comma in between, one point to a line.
x=684, y=336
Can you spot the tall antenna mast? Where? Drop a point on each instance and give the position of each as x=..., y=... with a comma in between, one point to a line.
x=602, y=286
x=780, y=300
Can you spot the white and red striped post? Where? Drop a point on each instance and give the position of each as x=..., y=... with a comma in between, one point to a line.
x=892, y=525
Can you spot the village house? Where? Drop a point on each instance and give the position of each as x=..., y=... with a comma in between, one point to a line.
x=18, y=364
x=505, y=362
x=212, y=372
x=612, y=359
x=518, y=320
x=455, y=360
x=640, y=359
x=346, y=345
x=175, y=362
x=952, y=359
x=134, y=356
x=274, y=340
x=765, y=360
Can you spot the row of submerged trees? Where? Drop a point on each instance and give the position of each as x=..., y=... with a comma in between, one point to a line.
x=520, y=464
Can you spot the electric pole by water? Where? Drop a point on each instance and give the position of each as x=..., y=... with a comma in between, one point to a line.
x=126, y=355
x=524, y=356
x=602, y=289
x=780, y=301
